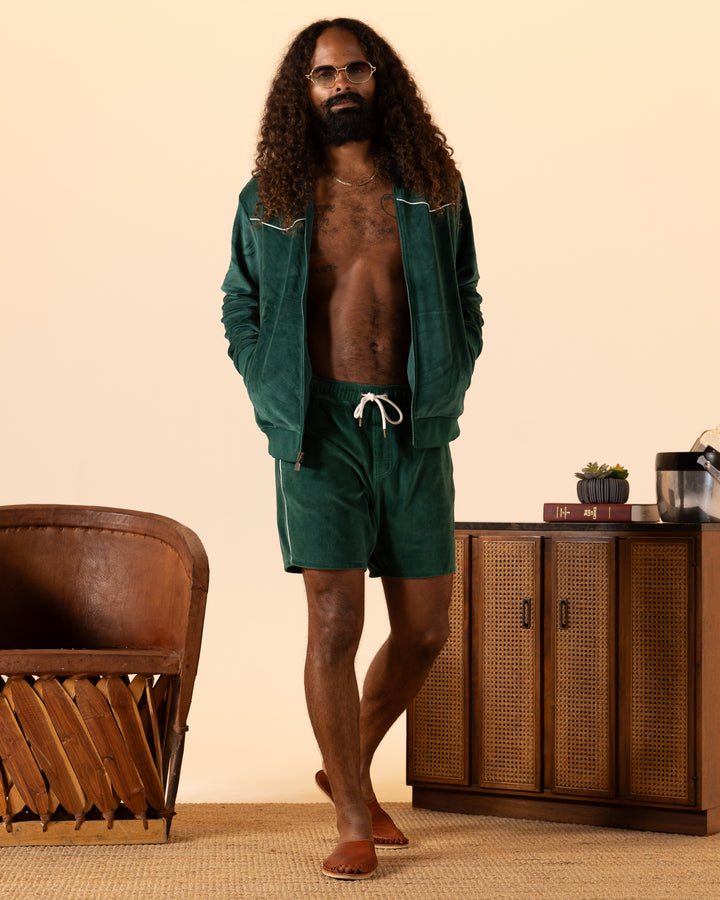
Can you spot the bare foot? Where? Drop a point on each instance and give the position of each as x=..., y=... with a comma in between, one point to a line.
x=351, y=861
x=385, y=831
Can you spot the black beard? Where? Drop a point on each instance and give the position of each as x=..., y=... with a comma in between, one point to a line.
x=345, y=125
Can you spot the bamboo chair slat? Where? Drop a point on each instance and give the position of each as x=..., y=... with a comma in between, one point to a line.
x=53, y=801
x=110, y=744
x=47, y=748
x=161, y=690
x=157, y=740
x=140, y=687
x=137, y=687
x=14, y=802
x=20, y=763
x=128, y=718
x=5, y=813
x=150, y=715
x=138, y=690
x=78, y=745
x=164, y=693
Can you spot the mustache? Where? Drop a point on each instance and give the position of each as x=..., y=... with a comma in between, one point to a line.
x=346, y=95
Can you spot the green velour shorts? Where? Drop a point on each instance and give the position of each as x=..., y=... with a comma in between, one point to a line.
x=361, y=498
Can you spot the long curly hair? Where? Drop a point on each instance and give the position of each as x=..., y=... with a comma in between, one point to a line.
x=408, y=146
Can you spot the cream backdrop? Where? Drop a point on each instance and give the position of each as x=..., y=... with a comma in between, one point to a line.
x=588, y=138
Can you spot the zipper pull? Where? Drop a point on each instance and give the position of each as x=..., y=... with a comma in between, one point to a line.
x=299, y=460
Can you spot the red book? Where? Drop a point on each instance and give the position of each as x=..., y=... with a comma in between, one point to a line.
x=600, y=512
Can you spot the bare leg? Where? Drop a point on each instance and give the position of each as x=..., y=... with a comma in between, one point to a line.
x=349, y=730
x=335, y=622
x=419, y=627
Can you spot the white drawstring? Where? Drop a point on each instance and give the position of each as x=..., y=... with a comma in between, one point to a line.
x=381, y=400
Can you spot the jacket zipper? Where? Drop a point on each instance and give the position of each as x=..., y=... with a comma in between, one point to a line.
x=413, y=342
x=309, y=218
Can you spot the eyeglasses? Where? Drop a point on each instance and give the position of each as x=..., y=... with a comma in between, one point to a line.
x=355, y=72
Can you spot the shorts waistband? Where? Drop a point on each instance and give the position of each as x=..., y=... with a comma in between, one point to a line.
x=349, y=391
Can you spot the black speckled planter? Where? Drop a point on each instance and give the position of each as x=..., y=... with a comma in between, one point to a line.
x=603, y=490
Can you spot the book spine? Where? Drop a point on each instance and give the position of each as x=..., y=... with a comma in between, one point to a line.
x=587, y=512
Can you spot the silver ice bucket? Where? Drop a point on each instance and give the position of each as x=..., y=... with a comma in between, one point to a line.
x=687, y=491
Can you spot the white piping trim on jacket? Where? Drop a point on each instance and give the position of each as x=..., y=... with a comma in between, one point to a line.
x=424, y=203
x=282, y=491
x=255, y=219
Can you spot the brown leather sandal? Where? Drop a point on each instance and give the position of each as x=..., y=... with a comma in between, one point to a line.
x=385, y=832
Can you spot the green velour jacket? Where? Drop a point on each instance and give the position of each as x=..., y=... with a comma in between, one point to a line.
x=264, y=316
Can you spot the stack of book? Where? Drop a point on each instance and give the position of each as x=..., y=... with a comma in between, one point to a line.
x=600, y=512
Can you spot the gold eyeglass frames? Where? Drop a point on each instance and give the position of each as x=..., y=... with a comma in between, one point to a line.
x=355, y=72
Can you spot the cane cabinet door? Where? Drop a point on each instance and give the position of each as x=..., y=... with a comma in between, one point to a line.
x=438, y=718
x=507, y=639
x=580, y=666
x=657, y=664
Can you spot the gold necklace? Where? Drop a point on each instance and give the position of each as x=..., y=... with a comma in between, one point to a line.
x=358, y=184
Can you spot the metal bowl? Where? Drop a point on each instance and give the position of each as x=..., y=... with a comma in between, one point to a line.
x=685, y=491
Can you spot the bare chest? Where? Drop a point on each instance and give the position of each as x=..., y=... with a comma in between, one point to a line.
x=353, y=224
x=358, y=322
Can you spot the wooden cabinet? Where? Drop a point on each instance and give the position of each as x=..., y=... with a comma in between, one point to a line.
x=507, y=664
x=580, y=629
x=581, y=681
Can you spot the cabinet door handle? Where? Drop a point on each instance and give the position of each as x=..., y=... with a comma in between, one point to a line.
x=526, y=613
x=563, y=614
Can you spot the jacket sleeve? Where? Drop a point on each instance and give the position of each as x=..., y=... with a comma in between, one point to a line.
x=467, y=278
x=241, y=311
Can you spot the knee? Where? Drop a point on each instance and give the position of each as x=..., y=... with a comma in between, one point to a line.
x=334, y=640
x=334, y=626
x=435, y=637
x=425, y=643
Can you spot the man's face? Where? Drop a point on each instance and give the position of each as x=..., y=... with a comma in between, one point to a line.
x=345, y=111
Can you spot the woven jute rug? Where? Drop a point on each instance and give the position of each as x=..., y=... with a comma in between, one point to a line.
x=264, y=851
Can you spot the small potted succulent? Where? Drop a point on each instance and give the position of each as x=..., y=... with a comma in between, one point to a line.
x=603, y=484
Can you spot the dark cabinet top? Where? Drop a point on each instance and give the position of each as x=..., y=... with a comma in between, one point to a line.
x=655, y=528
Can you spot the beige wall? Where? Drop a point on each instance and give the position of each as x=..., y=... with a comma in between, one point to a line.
x=588, y=139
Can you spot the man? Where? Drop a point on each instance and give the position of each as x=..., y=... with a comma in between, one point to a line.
x=352, y=314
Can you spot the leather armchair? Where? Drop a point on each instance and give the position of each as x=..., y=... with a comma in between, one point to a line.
x=101, y=616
